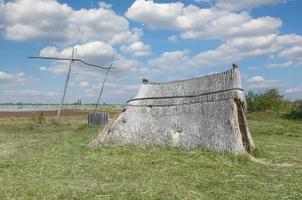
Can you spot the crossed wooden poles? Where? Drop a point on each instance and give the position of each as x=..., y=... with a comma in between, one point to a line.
x=72, y=60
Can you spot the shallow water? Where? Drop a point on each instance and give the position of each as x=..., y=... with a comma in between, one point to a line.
x=29, y=108
x=17, y=108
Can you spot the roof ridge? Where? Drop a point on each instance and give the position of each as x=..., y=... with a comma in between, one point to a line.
x=230, y=71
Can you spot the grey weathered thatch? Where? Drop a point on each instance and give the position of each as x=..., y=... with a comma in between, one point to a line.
x=206, y=111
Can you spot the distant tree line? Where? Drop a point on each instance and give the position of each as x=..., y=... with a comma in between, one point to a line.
x=272, y=100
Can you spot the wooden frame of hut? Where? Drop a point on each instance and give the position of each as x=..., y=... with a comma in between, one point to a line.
x=206, y=111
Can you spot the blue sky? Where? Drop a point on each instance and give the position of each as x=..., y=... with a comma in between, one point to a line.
x=158, y=40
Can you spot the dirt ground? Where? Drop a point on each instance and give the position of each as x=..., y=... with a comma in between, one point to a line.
x=67, y=112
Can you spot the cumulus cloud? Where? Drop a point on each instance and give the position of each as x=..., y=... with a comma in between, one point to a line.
x=242, y=36
x=237, y=49
x=233, y=50
x=84, y=84
x=60, y=23
x=173, y=60
x=102, y=33
x=33, y=93
x=105, y=5
x=136, y=49
x=201, y=23
x=19, y=20
x=98, y=24
x=127, y=37
x=258, y=82
x=236, y=5
x=96, y=52
x=86, y=81
x=292, y=53
x=297, y=90
x=279, y=65
x=173, y=38
x=290, y=39
x=120, y=89
x=9, y=78
x=113, y=91
x=246, y=4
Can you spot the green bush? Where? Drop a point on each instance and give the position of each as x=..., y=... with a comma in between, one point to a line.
x=270, y=100
x=296, y=112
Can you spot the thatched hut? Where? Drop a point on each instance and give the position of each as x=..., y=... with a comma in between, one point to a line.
x=206, y=111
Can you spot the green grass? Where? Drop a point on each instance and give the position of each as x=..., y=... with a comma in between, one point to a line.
x=42, y=159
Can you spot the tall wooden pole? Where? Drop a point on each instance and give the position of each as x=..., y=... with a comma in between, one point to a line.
x=105, y=78
x=66, y=83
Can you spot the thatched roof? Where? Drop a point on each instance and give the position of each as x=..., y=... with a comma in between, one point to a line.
x=203, y=111
x=215, y=87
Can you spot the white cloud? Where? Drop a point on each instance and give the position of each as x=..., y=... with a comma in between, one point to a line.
x=93, y=32
x=136, y=49
x=95, y=52
x=205, y=23
x=290, y=39
x=56, y=69
x=113, y=91
x=98, y=24
x=279, y=65
x=122, y=88
x=235, y=50
x=245, y=4
x=99, y=31
x=171, y=61
x=242, y=36
x=204, y=1
x=231, y=26
x=127, y=37
x=297, y=90
x=8, y=78
x=59, y=23
x=86, y=81
x=155, y=14
x=33, y=93
x=84, y=84
x=292, y=53
x=259, y=82
x=256, y=79
x=173, y=38
x=19, y=20
x=105, y=5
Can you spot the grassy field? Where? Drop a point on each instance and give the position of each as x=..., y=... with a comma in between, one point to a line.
x=42, y=159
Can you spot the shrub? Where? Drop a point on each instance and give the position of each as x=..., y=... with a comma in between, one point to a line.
x=270, y=100
x=296, y=112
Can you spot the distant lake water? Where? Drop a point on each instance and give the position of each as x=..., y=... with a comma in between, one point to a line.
x=28, y=108
x=32, y=108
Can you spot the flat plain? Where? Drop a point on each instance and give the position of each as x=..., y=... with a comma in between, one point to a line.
x=43, y=159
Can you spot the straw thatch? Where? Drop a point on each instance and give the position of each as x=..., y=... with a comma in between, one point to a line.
x=206, y=111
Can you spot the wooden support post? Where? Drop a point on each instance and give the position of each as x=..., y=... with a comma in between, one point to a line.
x=66, y=83
x=98, y=101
